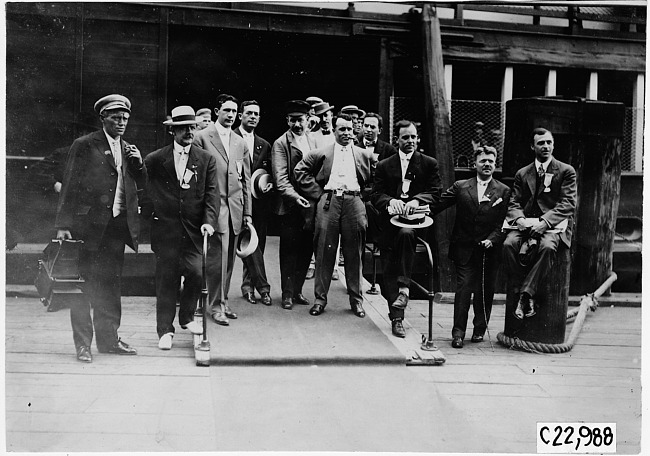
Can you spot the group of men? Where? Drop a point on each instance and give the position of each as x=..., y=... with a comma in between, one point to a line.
x=328, y=179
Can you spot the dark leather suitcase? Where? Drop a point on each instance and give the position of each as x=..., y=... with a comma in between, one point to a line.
x=59, y=280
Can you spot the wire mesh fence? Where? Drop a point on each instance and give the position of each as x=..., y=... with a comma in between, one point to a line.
x=475, y=123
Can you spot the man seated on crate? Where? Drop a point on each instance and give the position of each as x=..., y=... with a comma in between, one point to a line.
x=403, y=182
x=540, y=214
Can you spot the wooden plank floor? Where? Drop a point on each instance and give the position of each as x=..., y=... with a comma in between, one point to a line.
x=155, y=401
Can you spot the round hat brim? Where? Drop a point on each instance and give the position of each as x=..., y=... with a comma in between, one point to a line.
x=182, y=122
x=252, y=243
x=255, y=191
x=427, y=221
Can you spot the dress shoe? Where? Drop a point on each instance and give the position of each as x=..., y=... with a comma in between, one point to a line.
x=532, y=311
x=287, y=303
x=335, y=274
x=477, y=338
x=519, y=311
x=357, y=308
x=194, y=327
x=250, y=297
x=166, y=340
x=220, y=319
x=457, y=342
x=398, y=328
x=84, y=355
x=119, y=348
x=265, y=298
x=401, y=301
x=317, y=309
x=310, y=273
x=229, y=313
x=300, y=299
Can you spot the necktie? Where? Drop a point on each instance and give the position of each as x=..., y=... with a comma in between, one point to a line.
x=540, y=171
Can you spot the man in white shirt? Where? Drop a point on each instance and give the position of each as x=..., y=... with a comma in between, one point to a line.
x=333, y=177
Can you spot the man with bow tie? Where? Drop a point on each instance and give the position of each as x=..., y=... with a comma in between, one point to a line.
x=254, y=270
x=98, y=204
x=183, y=200
x=333, y=177
x=481, y=204
x=322, y=134
x=541, y=210
x=403, y=182
x=235, y=211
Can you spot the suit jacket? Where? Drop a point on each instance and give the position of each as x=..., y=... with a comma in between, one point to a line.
x=233, y=177
x=382, y=148
x=313, y=171
x=262, y=160
x=284, y=158
x=557, y=204
x=180, y=211
x=425, y=181
x=90, y=179
x=475, y=221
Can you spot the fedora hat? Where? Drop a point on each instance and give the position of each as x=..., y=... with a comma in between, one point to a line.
x=260, y=179
x=412, y=221
x=113, y=101
x=248, y=241
x=351, y=109
x=322, y=108
x=182, y=115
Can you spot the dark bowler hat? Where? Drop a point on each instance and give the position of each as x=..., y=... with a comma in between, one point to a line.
x=322, y=108
x=182, y=115
x=297, y=107
x=113, y=101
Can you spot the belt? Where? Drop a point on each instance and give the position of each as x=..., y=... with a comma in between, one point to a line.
x=339, y=192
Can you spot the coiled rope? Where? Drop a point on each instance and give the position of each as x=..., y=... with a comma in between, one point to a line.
x=588, y=302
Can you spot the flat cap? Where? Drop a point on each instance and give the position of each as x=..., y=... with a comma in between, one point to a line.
x=297, y=107
x=113, y=101
x=203, y=111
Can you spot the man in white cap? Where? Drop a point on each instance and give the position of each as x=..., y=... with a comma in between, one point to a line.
x=98, y=204
x=183, y=199
x=357, y=119
x=235, y=212
x=204, y=118
x=254, y=270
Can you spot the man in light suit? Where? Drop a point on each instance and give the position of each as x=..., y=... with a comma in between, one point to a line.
x=254, y=270
x=333, y=177
x=183, y=199
x=544, y=196
x=233, y=181
x=481, y=204
x=403, y=182
x=98, y=204
x=294, y=211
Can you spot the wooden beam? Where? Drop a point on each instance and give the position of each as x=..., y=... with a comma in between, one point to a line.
x=551, y=84
x=438, y=137
x=385, y=86
x=78, y=68
x=592, y=86
x=638, y=103
x=163, y=79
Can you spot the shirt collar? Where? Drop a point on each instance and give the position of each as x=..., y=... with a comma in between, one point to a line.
x=338, y=147
x=404, y=156
x=223, y=131
x=486, y=183
x=110, y=139
x=544, y=165
x=244, y=133
x=178, y=148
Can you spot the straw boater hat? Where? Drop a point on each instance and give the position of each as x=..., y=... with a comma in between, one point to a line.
x=248, y=241
x=313, y=100
x=113, y=101
x=182, y=115
x=260, y=179
x=412, y=221
x=349, y=109
x=322, y=108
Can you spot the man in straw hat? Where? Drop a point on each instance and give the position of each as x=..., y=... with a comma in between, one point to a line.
x=183, y=199
x=233, y=184
x=98, y=204
x=403, y=182
x=254, y=270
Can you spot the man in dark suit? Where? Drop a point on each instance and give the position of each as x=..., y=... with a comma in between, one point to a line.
x=235, y=212
x=544, y=198
x=333, y=177
x=254, y=271
x=295, y=213
x=183, y=199
x=98, y=204
x=481, y=204
x=403, y=182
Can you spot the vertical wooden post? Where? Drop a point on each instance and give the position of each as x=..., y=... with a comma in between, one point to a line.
x=163, y=65
x=78, y=68
x=437, y=134
x=592, y=86
x=385, y=86
x=551, y=84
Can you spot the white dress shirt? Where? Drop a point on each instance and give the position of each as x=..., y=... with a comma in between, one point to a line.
x=302, y=143
x=250, y=140
x=181, y=155
x=119, y=203
x=224, y=135
x=405, y=159
x=344, y=170
x=481, y=186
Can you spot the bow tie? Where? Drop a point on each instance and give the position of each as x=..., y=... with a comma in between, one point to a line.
x=371, y=144
x=482, y=183
x=326, y=132
x=183, y=151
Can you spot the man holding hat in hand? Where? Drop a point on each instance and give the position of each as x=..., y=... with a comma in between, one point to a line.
x=98, y=204
x=254, y=271
x=183, y=199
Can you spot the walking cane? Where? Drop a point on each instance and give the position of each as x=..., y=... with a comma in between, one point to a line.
x=202, y=348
